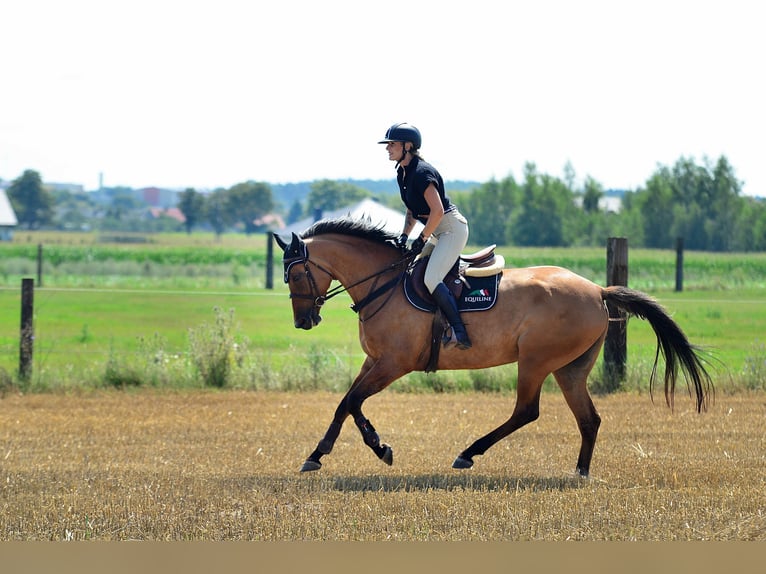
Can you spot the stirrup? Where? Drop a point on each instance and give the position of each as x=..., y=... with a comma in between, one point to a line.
x=449, y=339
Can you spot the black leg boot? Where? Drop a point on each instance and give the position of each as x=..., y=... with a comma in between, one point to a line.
x=448, y=306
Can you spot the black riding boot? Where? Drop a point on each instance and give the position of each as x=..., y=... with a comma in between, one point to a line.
x=448, y=306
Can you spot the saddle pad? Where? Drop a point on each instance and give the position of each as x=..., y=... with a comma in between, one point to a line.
x=479, y=294
x=495, y=268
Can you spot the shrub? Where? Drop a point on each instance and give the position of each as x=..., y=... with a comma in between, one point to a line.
x=754, y=371
x=121, y=375
x=214, y=350
x=494, y=380
x=6, y=382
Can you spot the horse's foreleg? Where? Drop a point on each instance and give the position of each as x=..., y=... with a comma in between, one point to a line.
x=378, y=377
x=373, y=378
x=327, y=443
x=370, y=436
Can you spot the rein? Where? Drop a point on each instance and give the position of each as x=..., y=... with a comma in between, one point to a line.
x=319, y=300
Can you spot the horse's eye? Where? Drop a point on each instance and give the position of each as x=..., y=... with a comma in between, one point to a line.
x=297, y=276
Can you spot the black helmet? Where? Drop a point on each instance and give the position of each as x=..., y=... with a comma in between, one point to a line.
x=403, y=133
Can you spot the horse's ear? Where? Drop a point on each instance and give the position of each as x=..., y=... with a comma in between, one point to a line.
x=296, y=248
x=280, y=242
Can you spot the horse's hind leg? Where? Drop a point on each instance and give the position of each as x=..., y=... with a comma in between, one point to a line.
x=527, y=409
x=573, y=380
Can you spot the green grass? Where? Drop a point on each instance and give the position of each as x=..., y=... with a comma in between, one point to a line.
x=134, y=307
x=653, y=270
x=78, y=332
x=728, y=325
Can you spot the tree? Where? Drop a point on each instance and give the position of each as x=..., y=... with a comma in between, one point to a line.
x=656, y=206
x=592, y=194
x=750, y=233
x=326, y=195
x=32, y=203
x=249, y=201
x=74, y=210
x=295, y=213
x=192, y=205
x=488, y=210
x=546, y=213
x=700, y=203
x=725, y=206
x=216, y=211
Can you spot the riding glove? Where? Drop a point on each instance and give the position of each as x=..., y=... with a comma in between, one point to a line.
x=401, y=242
x=417, y=245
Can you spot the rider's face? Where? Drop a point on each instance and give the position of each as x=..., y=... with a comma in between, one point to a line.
x=395, y=150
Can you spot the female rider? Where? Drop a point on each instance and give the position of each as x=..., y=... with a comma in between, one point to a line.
x=446, y=231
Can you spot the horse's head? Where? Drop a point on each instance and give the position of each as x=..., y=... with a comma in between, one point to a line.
x=307, y=290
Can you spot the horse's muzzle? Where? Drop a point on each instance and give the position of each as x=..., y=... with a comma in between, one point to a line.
x=308, y=321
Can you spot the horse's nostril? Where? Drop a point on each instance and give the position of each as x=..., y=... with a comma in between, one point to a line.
x=304, y=323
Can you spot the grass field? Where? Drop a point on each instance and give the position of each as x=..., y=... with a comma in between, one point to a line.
x=208, y=465
x=131, y=309
x=79, y=332
x=237, y=262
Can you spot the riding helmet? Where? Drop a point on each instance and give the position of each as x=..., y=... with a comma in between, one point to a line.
x=403, y=132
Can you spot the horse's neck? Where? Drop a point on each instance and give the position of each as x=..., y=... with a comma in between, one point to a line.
x=352, y=261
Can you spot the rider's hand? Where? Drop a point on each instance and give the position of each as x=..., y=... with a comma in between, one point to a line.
x=401, y=241
x=417, y=245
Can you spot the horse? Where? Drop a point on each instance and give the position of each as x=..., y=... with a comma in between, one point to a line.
x=547, y=319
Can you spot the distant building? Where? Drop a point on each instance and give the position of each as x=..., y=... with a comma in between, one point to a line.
x=8, y=219
x=157, y=197
x=270, y=221
x=606, y=203
x=171, y=212
x=69, y=187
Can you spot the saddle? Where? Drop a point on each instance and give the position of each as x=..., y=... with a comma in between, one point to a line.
x=483, y=263
x=472, y=280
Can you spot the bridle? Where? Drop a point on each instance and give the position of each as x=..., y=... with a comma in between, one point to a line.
x=319, y=299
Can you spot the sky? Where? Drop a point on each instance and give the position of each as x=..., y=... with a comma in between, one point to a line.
x=206, y=94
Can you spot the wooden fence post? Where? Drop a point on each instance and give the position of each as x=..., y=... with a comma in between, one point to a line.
x=39, y=264
x=679, y=264
x=615, y=345
x=269, y=260
x=26, y=345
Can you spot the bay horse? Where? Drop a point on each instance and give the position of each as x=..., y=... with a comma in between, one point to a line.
x=548, y=319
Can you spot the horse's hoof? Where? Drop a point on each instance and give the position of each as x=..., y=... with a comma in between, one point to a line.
x=310, y=465
x=461, y=462
x=388, y=455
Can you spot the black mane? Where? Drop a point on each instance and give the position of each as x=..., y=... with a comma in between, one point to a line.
x=363, y=228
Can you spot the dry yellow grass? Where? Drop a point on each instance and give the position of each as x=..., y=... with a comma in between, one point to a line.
x=224, y=466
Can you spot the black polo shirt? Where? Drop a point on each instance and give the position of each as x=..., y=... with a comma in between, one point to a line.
x=413, y=181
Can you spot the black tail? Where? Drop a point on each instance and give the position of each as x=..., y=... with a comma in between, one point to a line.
x=671, y=342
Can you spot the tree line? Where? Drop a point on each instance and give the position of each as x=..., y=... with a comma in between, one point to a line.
x=700, y=202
